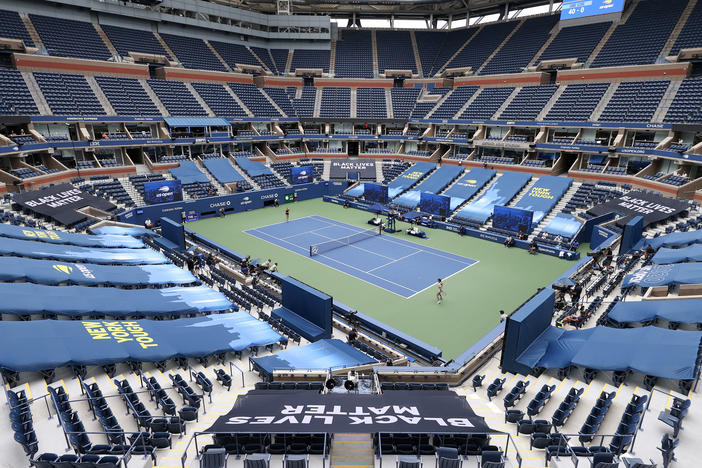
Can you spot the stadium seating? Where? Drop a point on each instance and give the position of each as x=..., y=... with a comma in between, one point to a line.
x=304, y=106
x=403, y=101
x=280, y=58
x=176, y=97
x=640, y=40
x=690, y=36
x=486, y=104
x=687, y=104
x=281, y=99
x=429, y=44
x=11, y=26
x=127, y=96
x=193, y=52
x=481, y=46
x=68, y=94
x=634, y=101
x=254, y=100
x=310, y=58
x=528, y=103
x=370, y=103
x=235, y=54
x=389, y=44
x=219, y=100
x=336, y=102
x=128, y=40
x=52, y=31
x=14, y=94
x=353, y=55
x=575, y=42
x=453, y=102
x=577, y=102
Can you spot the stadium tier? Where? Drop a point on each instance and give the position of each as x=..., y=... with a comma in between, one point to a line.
x=251, y=234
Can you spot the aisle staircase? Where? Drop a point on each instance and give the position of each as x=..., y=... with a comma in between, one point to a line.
x=352, y=451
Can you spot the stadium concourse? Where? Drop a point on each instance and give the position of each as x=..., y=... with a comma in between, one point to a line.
x=222, y=226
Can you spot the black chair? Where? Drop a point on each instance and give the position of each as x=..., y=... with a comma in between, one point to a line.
x=87, y=461
x=447, y=457
x=478, y=381
x=176, y=426
x=408, y=461
x=44, y=460
x=161, y=440
x=603, y=460
x=188, y=413
x=637, y=463
x=66, y=461
x=513, y=416
x=214, y=458
x=492, y=460
x=159, y=425
x=296, y=461
x=109, y=461
x=257, y=460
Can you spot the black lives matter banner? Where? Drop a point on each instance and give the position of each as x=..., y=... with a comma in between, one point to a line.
x=394, y=411
x=340, y=168
x=653, y=207
x=60, y=203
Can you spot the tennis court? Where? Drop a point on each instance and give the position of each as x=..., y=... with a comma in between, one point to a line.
x=389, y=262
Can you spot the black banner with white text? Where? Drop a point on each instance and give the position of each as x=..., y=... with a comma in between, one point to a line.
x=653, y=207
x=60, y=203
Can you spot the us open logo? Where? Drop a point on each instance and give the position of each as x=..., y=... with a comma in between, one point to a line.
x=315, y=250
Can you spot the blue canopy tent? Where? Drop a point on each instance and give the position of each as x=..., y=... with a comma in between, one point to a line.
x=663, y=275
x=48, y=344
x=668, y=354
x=135, y=231
x=34, y=249
x=674, y=239
x=83, y=301
x=691, y=253
x=90, y=274
x=60, y=237
x=688, y=311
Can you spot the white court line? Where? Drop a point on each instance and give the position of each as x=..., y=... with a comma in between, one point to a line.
x=396, y=260
x=337, y=261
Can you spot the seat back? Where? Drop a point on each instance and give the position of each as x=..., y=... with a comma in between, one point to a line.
x=213, y=458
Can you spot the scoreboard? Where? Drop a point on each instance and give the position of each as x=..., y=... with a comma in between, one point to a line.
x=571, y=9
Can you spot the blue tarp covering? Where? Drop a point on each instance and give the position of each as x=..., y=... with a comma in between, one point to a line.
x=543, y=196
x=90, y=274
x=320, y=355
x=409, y=199
x=252, y=168
x=33, y=249
x=499, y=193
x=668, y=354
x=48, y=344
x=124, y=231
x=59, y=237
x=439, y=179
x=673, y=239
x=356, y=191
x=222, y=170
x=564, y=224
x=196, y=122
x=81, y=301
x=680, y=310
x=663, y=275
x=468, y=185
x=188, y=173
x=691, y=253
x=409, y=177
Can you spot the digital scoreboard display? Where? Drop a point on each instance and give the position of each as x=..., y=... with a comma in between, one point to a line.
x=581, y=8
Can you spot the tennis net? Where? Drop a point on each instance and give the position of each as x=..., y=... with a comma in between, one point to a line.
x=322, y=247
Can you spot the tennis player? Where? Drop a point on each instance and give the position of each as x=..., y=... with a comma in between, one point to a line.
x=440, y=291
x=287, y=214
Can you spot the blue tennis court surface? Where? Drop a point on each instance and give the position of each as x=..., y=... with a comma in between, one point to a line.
x=396, y=265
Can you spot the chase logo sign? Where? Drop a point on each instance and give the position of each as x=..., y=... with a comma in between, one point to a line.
x=63, y=269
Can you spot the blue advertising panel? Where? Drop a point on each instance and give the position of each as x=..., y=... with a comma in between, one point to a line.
x=376, y=193
x=302, y=174
x=435, y=204
x=580, y=8
x=512, y=219
x=163, y=191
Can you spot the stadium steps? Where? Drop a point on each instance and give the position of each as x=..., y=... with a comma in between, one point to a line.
x=352, y=451
x=603, y=102
x=353, y=103
x=523, y=191
x=676, y=30
x=273, y=103
x=216, y=54
x=199, y=99
x=557, y=208
x=552, y=35
x=605, y=38
x=36, y=93
x=499, y=47
x=507, y=102
x=388, y=105
x=477, y=195
x=379, y=172
x=275, y=70
x=165, y=46
x=666, y=101
x=106, y=40
x=132, y=191
x=159, y=105
x=468, y=103
x=374, y=52
x=415, y=51
x=465, y=44
x=36, y=38
x=238, y=101
x=326, y=171
x=317, y=102
x=547, y=108
x=288, y=62
x=100, y=95
x=332, y=57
